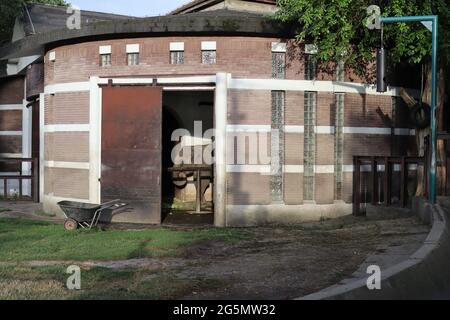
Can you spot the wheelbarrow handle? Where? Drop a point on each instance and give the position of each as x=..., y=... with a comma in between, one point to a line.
x=108, y=204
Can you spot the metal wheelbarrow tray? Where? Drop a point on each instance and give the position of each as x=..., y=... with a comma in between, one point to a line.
x=85, y=215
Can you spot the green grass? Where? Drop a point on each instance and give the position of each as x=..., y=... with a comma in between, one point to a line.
x=42, y=213
x=48, y=283
x=22, y=240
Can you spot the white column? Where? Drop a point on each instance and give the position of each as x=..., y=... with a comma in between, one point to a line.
x=41, y=145
x=95, y=116
x=220, y=105
x=27, y=122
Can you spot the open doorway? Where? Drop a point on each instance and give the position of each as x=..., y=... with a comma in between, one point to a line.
x=187, y=176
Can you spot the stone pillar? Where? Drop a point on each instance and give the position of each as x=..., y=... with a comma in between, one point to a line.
x=220, y=114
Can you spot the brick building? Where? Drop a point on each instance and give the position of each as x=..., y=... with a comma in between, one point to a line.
x=98, y=105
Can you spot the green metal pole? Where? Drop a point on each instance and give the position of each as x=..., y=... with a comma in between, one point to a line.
x=434, y=30
x=433, y=166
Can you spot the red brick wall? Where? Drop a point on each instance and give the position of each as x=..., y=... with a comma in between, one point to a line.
x=67, y=183
x=10, y=144
x=324, y=188
x=248, y=189
x=293, y=190
x=11, y=90
x=250, y=107
x=368, y=110
x=67, y=108
x=244, y=57
x=10, y=120
x=67, y=146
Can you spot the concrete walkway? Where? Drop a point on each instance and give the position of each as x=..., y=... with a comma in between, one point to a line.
x=410, y=239
x=25, y=210
x=423, y=274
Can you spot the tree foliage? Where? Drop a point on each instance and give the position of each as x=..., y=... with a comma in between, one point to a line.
x=338, y=28
x=11, y=9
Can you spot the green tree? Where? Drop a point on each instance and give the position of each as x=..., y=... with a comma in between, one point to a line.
x=11, y=9
x=338, y=28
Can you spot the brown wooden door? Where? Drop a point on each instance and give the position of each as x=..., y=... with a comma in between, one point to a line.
x=131, y=150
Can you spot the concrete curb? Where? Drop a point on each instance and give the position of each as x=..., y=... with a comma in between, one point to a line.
x=424, y=275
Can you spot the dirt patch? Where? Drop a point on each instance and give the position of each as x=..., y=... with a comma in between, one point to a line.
x=285, y=263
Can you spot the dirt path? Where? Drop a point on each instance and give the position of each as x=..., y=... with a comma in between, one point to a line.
x=288, y=263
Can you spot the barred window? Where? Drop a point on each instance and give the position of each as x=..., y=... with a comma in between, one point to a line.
x=340, y=71
x=278, y=65
x=309, y=145
x=209, y=56
x=277, y=146
x=339, y=146
x=105, y=60
x=133, y=59
x=310, y=67
x=177, y=57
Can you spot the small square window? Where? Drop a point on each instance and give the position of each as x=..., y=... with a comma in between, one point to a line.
x=133, y=59
x=105, y=60
x=177, y=57
x=209, y=56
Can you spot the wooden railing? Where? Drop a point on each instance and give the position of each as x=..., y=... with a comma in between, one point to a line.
x=18, y=165
x=376, y=189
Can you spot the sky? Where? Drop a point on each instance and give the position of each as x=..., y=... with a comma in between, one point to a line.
x=138, y=8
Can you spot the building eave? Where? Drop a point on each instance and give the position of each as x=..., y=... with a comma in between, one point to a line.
x=211, y=23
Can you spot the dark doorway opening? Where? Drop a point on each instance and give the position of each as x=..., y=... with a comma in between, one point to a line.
x=187, y=119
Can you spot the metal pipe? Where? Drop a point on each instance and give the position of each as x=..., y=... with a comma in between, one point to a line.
x=434, y=20
x=433, y=168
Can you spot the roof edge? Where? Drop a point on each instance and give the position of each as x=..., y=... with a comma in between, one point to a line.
x=211, y=23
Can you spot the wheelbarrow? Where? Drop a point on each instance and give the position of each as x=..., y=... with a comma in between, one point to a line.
x=85, y=215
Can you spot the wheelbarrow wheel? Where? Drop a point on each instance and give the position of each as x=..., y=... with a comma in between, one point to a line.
x=70, y=225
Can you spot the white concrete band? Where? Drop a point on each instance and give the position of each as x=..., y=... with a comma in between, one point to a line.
x=187, y=80
x=328, y=130
x=318, y=169
x=67, y=87
x=66, y=128
x=67, y=165
x=242, y=84
x=312, y=85
x=11, y=133
x=5, y=107
x=248, y=128
x=10, y=155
